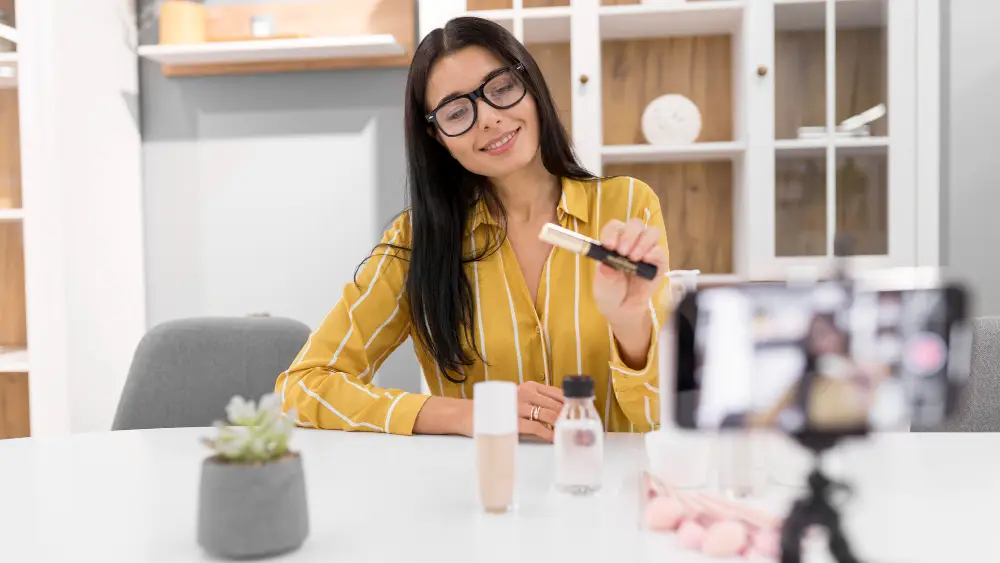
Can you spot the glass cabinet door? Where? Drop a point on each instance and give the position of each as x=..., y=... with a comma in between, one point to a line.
x=843, y=101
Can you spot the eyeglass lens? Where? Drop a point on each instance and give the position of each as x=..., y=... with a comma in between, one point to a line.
x=502, y=91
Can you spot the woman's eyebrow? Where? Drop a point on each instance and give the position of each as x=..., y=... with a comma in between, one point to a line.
x=484, y=78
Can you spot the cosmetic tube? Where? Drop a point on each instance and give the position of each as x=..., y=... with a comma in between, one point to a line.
x=586, y=246
x=495, y=434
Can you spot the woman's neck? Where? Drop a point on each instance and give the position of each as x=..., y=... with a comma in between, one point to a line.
x=529, y=195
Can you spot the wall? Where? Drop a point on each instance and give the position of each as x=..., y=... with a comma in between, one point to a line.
x=970, y=206
x=264, y=192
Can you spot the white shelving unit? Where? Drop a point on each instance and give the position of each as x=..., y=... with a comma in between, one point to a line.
x=274, y=50
x=70, y=215
x=783, y=199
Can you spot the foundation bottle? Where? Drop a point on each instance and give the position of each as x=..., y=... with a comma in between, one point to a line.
x=495, y=435
x=579, y=439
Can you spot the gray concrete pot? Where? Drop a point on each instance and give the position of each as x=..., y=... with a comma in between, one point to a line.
x=248, y=511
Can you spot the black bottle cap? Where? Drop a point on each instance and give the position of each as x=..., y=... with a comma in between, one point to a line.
x=578, y=386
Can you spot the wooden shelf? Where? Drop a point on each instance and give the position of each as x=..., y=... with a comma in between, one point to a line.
x=13, y=360
x=810, y=15
x=274, y=50
x=541, y=25
x=8, y=70
x=812, y=148
x=697, y=152
x=11, y=214
x=717, y=17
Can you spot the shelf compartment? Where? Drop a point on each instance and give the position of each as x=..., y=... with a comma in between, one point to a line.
x=8, y=71
x=541, y=25
x=13, y=315
x=803, y=15
x=13, y=360
x=696, y=152
x=716, y=17
x=696, y=199
x=308, y=36
x=635, y=72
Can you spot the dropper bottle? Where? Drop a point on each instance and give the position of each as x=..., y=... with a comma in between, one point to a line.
x=579, y=439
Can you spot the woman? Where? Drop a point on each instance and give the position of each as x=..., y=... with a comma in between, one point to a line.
x=464, y=273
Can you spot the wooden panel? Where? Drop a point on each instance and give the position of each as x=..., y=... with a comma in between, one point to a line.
x=800, y=78
x=10, y=151
x=321, y=19
x=9, y=8
x=800, y=207
x=863, y=202
x=554, y=61
x=14, y=408
x=487, y=4
x=697, y=204
x=13, y=327
x=637, y=71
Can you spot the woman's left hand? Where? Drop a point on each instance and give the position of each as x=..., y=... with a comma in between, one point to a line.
x=622, y=298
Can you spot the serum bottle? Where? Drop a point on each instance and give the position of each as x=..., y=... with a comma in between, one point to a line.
x=579, y=439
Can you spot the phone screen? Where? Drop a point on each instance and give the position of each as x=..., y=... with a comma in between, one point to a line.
x=830, y=357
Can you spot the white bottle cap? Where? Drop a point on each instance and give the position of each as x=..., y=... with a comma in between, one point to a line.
x=494, y=408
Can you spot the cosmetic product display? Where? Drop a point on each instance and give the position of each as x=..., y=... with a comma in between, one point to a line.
x=495, y=432
x=579, y=439
x=672, y=119
x=586, y=246
x=710, y=524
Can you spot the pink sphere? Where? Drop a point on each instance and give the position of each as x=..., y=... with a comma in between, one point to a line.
x=726, y=538
x=663, y=514
x=766, y=543
x=691, y=534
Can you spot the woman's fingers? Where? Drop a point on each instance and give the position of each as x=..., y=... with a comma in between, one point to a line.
x=545, y=414
x=525, y=426
x=629, y=236
x=647, y=241
x=551, y=392
x=611, y=233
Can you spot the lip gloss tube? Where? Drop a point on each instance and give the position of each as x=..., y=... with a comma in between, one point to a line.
x=495, y=432
x=586, y=246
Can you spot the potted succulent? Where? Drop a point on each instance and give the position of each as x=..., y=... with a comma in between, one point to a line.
x=252, y=501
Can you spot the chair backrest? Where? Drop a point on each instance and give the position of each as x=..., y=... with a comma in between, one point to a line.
x=184, y=372
x=980, y=406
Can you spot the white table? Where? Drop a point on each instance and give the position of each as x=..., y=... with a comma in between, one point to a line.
x=131, y=496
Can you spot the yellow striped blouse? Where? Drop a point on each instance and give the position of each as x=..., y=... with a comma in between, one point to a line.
x=329, y=383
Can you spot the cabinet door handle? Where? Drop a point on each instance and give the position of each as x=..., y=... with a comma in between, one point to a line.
x=584, y=79
x=762, y=70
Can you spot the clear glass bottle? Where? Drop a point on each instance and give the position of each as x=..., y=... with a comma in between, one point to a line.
x=579, y=439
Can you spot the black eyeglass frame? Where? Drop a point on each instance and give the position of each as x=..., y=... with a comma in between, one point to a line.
x=478, y=94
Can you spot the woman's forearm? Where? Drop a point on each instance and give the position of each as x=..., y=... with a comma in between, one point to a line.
x=444, y=415
x=633, y=338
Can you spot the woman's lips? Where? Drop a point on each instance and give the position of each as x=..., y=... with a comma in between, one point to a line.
x=506, y=144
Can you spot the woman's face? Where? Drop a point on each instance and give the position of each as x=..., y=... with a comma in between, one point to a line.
x=501, y=141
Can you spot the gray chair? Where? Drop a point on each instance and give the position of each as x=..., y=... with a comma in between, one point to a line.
x=980, y=407
x=184, y=372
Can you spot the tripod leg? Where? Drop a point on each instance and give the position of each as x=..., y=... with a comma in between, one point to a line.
x=792, y=532
x=839, y=548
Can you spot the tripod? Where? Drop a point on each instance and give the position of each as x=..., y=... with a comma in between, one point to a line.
x=816, y=509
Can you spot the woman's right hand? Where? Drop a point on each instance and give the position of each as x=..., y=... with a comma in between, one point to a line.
x=549, y=401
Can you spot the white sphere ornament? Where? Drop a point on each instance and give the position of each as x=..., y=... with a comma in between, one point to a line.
x=671, y=119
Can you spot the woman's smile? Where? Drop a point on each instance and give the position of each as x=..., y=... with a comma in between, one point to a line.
x=501, y=144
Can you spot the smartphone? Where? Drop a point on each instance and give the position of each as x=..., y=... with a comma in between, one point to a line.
x=830, y=357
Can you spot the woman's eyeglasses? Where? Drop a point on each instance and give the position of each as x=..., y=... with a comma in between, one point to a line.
x=502, y=89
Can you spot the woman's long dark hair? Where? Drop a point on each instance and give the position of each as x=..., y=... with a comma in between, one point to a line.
x=443, y=193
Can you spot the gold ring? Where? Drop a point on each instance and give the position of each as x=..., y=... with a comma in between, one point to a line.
x=534, y=412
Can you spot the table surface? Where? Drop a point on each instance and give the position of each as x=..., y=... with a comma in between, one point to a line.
x=132, y=496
